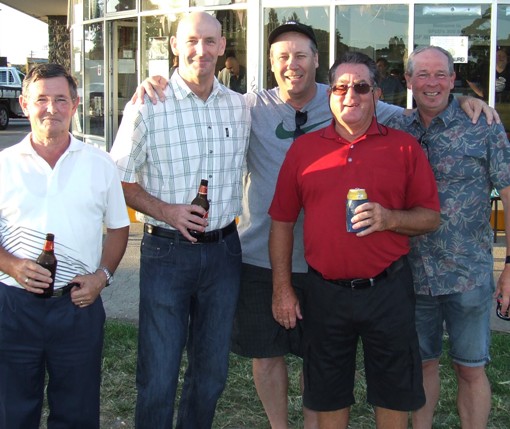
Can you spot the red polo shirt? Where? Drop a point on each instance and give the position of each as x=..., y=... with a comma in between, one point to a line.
x=320, y=168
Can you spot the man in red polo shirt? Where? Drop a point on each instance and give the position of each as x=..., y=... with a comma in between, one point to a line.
x=360, y=284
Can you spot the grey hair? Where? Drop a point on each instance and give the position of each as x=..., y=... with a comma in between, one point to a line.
x=411, y=59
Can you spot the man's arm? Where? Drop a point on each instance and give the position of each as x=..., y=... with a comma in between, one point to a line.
x=177, y=215
x=91, y=285
x=503, y=286
x=416, y=221
x=285, y=303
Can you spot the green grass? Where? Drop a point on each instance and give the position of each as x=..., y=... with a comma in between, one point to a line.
x=240, y=408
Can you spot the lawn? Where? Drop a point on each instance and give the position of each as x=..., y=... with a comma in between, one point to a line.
x=239, y=407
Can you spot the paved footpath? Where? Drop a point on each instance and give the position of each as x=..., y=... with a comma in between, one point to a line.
x=121, y=298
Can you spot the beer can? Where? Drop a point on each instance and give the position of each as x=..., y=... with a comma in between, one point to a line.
x=355, y=197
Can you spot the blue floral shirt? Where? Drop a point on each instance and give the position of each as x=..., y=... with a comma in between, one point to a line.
x=468, y=162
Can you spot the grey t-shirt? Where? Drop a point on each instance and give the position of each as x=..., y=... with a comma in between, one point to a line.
x=272, y=133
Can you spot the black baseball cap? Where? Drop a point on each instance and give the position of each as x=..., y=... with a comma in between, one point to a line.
x=292, y=26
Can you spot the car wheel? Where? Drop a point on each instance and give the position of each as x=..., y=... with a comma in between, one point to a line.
x=4, y=117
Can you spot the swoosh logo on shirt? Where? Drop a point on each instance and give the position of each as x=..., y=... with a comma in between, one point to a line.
x=283, y=134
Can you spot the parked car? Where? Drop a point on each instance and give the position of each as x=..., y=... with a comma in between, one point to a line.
x=11, y=80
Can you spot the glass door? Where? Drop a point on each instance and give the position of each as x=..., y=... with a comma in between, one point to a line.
x=123, y=79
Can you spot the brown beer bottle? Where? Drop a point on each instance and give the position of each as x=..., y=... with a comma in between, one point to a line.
x=48, y=260
x=202, y=201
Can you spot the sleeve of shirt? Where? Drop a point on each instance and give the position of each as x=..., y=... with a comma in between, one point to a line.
x=286, y=203
x=386, y=111
x=116, y=215
x=499, y=156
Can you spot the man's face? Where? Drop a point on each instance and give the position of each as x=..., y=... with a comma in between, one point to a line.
x=294, y=64
x=431, y=82
x=353, y=110
x=198, y=44
x=501, y=59
x=49, y=107
x=232, y=66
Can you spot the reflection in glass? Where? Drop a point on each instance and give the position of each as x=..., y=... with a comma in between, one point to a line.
x=120, y=5
x=163, y=4
x=76, y=60
x=94, y=77
x=317, y=18
x=503, y=103
x=93, y=9
x=381, y=32
x=214, y=2
x=449, y=28
x=157, y=57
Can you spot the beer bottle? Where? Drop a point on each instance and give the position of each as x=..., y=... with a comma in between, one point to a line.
x=202, y=201
x=48, y=260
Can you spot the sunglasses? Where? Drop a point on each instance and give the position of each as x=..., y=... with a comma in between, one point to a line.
x=503, y=316
x=359, y=88
x=301, y=118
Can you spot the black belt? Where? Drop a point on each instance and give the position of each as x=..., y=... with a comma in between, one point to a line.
x=57, y=293
x=354, y=283
x=208, y=237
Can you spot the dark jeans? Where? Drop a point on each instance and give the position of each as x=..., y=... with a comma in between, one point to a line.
x=54, y=335
x=188, y=295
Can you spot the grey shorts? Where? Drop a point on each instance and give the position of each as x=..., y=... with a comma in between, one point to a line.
x=256, y=334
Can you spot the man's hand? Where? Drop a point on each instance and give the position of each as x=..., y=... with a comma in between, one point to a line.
x=31, y=275
x=474, y=106
x=152, y=86
x=503, y=289
x=182, y=218
x=286, y=307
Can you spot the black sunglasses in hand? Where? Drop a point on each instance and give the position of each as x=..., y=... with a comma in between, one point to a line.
x=503, y=316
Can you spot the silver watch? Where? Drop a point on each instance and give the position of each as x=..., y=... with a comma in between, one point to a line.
x=108, y=273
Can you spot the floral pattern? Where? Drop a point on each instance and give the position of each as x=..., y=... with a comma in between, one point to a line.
x=468, y=161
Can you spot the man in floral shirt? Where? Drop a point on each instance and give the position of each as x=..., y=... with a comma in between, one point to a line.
x=453, y=266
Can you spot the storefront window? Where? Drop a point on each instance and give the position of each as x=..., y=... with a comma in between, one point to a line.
x=76, y=63
x=463, y=30
x=120, y=5
x=502, y=66
x=381, y=32
x=93, y=9
x=94, y=91
x=163, y=4
x=158, y=58
x=317, y=18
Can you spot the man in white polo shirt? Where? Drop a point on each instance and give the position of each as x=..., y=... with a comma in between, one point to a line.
x=52, y=183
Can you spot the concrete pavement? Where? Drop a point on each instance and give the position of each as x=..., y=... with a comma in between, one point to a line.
x=121, y=298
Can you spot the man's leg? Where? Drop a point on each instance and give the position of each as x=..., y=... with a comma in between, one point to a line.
x=338, y=419
x=310, y=417
x=390, y=419
x=211, y=318
x=422, y=418
x=271, y=381
x=473, y=396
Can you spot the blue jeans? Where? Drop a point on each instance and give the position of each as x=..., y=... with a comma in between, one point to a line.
x=53, y=335
x=466, y=316
x=188, y=296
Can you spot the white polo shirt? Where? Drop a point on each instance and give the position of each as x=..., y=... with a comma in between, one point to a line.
x=72, y=201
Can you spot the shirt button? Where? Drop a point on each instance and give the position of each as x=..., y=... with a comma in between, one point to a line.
x=349, y=159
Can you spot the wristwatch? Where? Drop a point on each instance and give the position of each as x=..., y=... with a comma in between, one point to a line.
x=507, y=260
x=108, y=274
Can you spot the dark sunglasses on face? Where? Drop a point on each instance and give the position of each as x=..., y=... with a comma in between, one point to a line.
x=301, y=118
x=359, y=88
